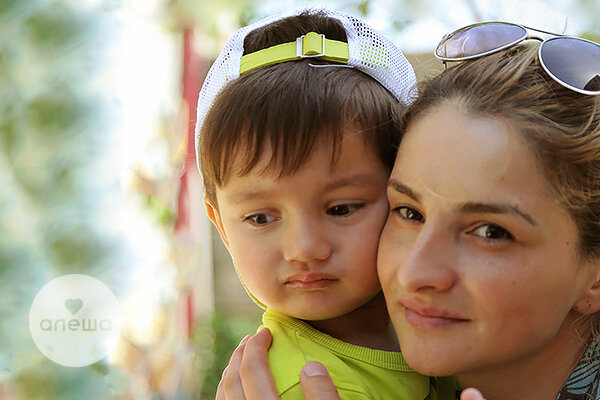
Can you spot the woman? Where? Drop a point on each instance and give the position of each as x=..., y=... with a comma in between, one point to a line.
x=490, y=258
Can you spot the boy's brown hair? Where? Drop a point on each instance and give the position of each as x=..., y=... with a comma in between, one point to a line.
x=291, y=107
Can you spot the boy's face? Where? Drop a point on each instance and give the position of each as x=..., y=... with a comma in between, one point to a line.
x=306, y=244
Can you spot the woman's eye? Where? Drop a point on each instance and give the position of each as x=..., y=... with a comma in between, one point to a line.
x=409, y=213
x=260, y=219
x=492, y=232
x=343, y=210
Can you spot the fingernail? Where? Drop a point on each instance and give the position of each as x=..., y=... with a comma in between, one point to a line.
x=244, y=340
x=313, y=368
x=263, y=330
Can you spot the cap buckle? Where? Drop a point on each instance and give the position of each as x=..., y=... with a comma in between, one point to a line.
x=307, y=46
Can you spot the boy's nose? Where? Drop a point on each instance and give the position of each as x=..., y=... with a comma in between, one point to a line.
x=429, y=265
x=306, y=242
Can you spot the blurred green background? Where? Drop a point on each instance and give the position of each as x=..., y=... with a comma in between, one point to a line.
x=97, y=174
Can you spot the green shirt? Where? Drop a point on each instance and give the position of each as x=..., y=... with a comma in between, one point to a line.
x=357, y=372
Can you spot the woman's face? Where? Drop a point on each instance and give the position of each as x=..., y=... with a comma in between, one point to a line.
x=477, y=260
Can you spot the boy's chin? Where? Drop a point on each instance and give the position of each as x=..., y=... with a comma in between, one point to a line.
x=315, y=316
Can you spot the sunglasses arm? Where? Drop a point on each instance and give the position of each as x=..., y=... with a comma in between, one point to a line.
x=541, y=31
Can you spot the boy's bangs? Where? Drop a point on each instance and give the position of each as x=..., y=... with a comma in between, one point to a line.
x=293, y=107
x=286, y=144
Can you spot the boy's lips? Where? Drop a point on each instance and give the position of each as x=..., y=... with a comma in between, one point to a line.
x=310, y=281
x=427, y=317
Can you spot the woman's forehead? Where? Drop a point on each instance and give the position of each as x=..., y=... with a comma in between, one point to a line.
x=456, y=156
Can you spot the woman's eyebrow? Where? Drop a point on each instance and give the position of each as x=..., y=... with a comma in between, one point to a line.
x=402, y=188
x=486, y=208
x=469, y=207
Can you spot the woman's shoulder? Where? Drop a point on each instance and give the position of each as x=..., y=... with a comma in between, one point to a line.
x=584, y=382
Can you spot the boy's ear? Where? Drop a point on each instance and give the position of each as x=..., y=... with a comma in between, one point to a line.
x=215, y=217
x=590, y=301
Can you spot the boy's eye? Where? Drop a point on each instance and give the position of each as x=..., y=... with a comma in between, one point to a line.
x=260, y=219
x=409, y=213
x=343, y=210
x=492, y=232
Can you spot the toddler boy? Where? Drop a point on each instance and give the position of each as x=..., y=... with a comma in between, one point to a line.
x=296, y=136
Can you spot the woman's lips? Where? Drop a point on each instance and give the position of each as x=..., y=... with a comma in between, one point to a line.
x=429, y=318
x=310, y=281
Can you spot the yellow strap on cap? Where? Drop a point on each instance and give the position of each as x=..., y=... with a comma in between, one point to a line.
x=311, y=45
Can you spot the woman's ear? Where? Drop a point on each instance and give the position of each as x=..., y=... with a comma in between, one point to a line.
x=215, y=217
x=590, y=301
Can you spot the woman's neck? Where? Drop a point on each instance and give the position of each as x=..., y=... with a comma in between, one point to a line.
x=367, y=326
x=537, y=376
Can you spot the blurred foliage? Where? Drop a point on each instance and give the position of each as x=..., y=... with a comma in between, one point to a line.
x=590, y=9
x=203, y=14
x=214, y=339
x=163, y=214
x=49, y=381
x=592, y=35
x=52, y=120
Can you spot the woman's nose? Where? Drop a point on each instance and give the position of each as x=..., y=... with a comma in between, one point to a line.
x=430, y=263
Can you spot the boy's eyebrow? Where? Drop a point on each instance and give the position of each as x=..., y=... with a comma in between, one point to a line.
x=353, y=180
x=242, y=197
x=468, y=207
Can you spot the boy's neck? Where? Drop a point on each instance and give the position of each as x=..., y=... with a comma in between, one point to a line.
x=367, y=326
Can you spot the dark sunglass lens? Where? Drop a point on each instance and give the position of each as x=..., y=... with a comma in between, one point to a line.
x=479, y=39
x=573, y=61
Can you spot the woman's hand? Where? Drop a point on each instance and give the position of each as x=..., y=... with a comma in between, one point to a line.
x=471, y=394
x=248, y=377
x=316, y=382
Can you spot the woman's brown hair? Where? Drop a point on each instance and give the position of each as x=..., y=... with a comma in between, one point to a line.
x=562, y=127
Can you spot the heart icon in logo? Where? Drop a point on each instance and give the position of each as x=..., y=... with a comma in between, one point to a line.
x=73, y=305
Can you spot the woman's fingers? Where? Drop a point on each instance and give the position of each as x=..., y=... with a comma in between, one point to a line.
x=230, y=386
x=316, y=382
x=471, y=394
x=256, y=377
x=248, y=375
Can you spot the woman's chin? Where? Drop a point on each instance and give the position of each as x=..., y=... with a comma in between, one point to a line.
x=427, y=363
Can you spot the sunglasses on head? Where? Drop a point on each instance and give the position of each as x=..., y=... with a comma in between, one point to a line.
x=571, y=61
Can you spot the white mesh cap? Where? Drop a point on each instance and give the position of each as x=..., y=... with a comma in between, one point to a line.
x=369, y=52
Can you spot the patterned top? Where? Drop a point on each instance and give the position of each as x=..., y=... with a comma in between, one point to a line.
x=584, y=382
